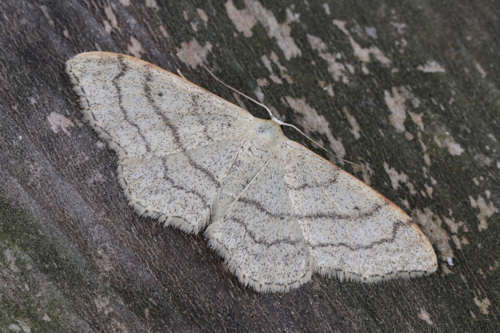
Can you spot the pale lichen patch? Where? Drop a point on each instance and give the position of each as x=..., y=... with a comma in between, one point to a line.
x=326, y=87
x=431, y=66
x=445, y=140
x=425, y=316
x=111, y=22
x=338, y=70
x=400, y=27
x=135, y=47
x=396, y=102
x=152, y=4
x=203, y=15
x=480, y=69
x=397, y=178
x=313, y=120
x=483, y=304
x=432, y=225
x=371, y=32
x=58, y=122
x=486, y=210
x=362, y=53
x=103, y=305
x=268, y=61
x=45, y=12
x=164, y=31
x=192, y=53
x=242, y=19
x=355, y=129
x=366, y=172
x=417, y=120
x=245, y=19
x=326, y=7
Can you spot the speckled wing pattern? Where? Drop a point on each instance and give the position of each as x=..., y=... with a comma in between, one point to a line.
x=274, y=210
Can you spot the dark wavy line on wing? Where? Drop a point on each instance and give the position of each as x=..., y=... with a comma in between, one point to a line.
x=263, y=241
x=173, y=130
x=121, y=73
x=334, y=216
x=182, y=188
x=395, y=227
x=306, y=185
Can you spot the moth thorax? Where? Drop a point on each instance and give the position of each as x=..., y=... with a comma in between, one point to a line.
x=269, y=132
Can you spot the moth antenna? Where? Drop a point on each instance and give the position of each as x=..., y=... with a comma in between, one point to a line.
x=275, y=119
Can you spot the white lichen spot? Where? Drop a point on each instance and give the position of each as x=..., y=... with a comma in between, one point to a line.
x=361, y=53
x=283, y=71
x=262, y=82
x=291, y=16
x=352, y=122
x=426, y=156
x=192, y=53
x=445, y=140
x=46, y=318
x=372, y=32
x=494, y=266
x=11, y=260
x=424, y=315
x=102, y=303
x=450, y=262
x=395, y=176
x=326, y=7
x=480, y=69
x=111, y=22
x=431, y=67
x=164, y=31
x=45, y=12
x=454, y=148
x=134, y=47
x=100, y=144
x=452, y=225
x=396, y=103
x=14, y=328
x=400, y=27
x=486, y=210
x=483, y=305
x=242, y=19
x=152, y=4
x=203, y=15
x=338, y=70
x=245, y=19
x=313, y=120
x=417, y=119
x=96, y=177
x=259, y=94
x=341, y=25
x=366, y=172
x=429, y=190
x=327, y=87
x=24, y=326
x=432, y=226
x=58, y=122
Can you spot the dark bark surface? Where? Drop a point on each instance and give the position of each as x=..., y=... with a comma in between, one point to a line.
x=409, y=91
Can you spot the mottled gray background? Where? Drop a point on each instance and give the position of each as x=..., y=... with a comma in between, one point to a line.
x=407, y=90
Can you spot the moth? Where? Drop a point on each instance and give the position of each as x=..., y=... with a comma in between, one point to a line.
x=274, y=210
